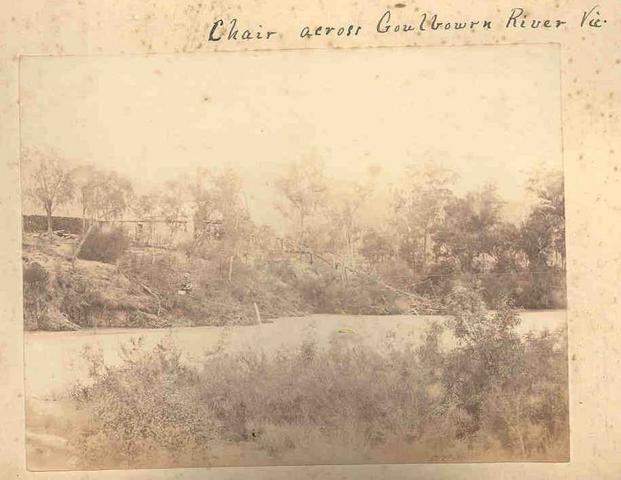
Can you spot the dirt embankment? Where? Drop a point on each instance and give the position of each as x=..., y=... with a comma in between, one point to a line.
x=65, y=294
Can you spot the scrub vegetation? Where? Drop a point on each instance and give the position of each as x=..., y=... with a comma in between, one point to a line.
x=492, y=394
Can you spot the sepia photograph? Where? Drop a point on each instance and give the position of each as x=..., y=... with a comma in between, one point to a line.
x=345, y=256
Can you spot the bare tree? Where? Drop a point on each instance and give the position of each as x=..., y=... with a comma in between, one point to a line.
x=50, y=184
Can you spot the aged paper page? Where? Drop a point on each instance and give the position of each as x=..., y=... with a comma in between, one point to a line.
x=323, y=241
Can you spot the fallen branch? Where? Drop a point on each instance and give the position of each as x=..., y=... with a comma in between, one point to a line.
x=81, y=244
x=153, y=294
x=370, y=276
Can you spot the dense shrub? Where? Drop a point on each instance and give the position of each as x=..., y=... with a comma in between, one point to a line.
x=214, y=299
x=41, y=300
x=152, y=405
x=493, y=394
x=543, y=290
x=540, y=290
x=327, y=291
x=101, y=297
x=38, y=224
x=104, y=246
x=510, y=388
x=283, y=287
x=35, y=276
x=147, y=407
x=78, y=299
x=35, y=279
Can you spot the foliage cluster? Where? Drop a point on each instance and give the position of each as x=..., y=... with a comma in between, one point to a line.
x=346, y=245
x=490, y=393
x=104, y=246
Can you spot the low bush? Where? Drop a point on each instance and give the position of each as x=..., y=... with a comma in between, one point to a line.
x=104, y=246
x=512, y=389
x=78, y=300
x=146, y=408
x=495, y=394
x=35, y=278
x=543, y=290
x=326, y=291
x=38, y=224
x=214, y=299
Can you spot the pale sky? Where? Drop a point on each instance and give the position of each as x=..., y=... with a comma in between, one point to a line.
x=490, y=113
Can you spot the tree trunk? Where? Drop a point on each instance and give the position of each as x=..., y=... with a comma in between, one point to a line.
x=83, y=220
x=258, y=314
x=231, y=268
x=424, y=265
x=351, y=248
x=48, y=212
x=81, y=244
x=301, y=240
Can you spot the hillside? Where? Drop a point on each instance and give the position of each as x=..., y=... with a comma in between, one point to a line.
x=143, y=288
x=63, y=295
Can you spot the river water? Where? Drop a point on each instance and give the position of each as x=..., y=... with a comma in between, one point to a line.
x=53, y=360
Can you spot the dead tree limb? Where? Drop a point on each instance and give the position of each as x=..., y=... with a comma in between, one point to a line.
x=81, y=243
x=370, y=276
